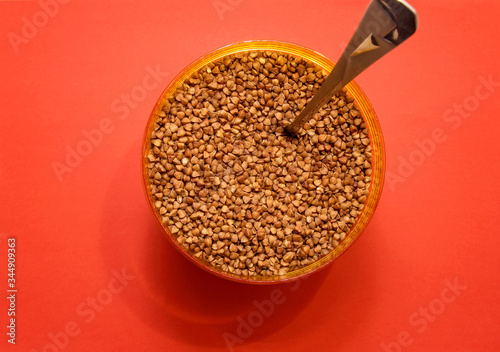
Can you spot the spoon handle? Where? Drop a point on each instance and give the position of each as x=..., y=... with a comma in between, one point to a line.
x=385, y=25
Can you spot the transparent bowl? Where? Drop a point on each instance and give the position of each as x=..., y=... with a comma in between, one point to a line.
x=360, y=100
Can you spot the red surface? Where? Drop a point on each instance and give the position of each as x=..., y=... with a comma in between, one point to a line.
x=435, y=226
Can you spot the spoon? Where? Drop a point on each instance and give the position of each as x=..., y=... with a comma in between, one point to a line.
x=385, y=25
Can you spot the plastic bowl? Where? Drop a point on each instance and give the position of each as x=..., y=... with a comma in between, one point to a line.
x=360, y=100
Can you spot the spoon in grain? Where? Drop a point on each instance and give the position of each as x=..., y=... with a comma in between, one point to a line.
x=385, y=25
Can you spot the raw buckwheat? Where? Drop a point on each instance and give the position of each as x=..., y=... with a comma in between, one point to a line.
x=234, y=189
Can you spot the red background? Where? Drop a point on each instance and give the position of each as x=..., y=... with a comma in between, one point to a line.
x=435, y=223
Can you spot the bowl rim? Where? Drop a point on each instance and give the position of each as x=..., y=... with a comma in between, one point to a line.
x=360, y=100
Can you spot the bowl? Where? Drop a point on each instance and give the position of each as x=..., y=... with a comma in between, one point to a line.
x=377, y=159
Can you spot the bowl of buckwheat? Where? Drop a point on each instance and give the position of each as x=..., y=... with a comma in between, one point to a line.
x=237, y=195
